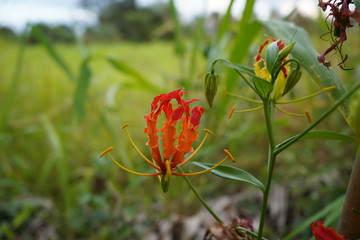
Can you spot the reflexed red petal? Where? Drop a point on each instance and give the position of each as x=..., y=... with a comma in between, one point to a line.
x=168, y=138
x=321, y=233
x=177, y=114
x=189, y=123
x=151, y=131
x=261, y=48
x=280, y=44
x=196, y=115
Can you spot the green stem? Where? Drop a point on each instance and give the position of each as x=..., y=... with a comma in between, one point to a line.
x=199, y=197
x=251, y=233
x=331, y=109
x=237, y=68
x=269, y=118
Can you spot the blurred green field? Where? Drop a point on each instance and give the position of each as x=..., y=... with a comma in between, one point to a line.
x=51, y=177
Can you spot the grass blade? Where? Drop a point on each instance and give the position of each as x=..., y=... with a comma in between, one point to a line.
x=130, y=71
x=224, y=25
x=329, y=209
x=179, y=45
x=53, y=53
x=82, y=87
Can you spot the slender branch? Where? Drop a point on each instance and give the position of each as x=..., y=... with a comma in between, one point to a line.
x=331, y=109
x=269, y=118
x=251, y=233
x=199, y=197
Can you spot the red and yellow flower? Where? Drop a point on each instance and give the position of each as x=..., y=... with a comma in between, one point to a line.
x=175, y=144
x=273, y=66
x=261, y=68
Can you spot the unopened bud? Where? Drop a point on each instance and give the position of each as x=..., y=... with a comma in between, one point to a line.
x=285, y=51
x=211, y=87
x=291, y=81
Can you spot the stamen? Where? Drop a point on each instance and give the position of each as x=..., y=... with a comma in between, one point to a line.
x=157, y=172
x=204, y=171
x=131, y=171
x=249, y=110
x=244, y=98
x=137, y=149
x=307, y=97
x=229, y=154
x=208, y=131
x=198, y=148
x=328, y=88
x=124, y=126
x=106, y=151
x=308, y=116
x=231, y=112
x=290, y=113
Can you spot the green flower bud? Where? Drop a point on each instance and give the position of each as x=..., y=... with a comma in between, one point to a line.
x=291, y=81
x=285, y=51
x=211, y=87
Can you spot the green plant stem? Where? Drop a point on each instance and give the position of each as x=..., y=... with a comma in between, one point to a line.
x=331, y=109
x=269, y=118
x=251, y=233
x=199, y=197
x=236, y=68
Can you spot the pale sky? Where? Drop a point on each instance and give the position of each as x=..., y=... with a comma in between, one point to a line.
x=15, y=13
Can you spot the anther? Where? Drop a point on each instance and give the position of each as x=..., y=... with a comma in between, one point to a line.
x=124, y=126
x=229, y=155
x=208, y=131
x=106, y=151
x=231, y=112
x=328, y=88
x=308, y=116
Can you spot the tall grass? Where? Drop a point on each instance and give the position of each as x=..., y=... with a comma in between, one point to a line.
x=60, y=108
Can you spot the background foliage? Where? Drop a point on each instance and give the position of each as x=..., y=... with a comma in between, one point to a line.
x=62, y=103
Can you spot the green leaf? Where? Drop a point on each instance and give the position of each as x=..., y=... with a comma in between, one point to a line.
x=225, y=23
x=322, y=134
x=130, y=71
x=262, y=86
x=82, y=87
x=179, y=42
x=354, y=115
x=238, y=67
x=232, y=173
x=291, y=81
x=305, y=53
x=271, y=56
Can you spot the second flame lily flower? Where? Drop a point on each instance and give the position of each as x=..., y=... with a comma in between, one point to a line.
x=273, y=67
x=174, y=145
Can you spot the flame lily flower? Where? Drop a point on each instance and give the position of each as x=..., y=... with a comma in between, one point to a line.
x=174, y=145
x=320, y=232
x=261, y=68
x=273, y=66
